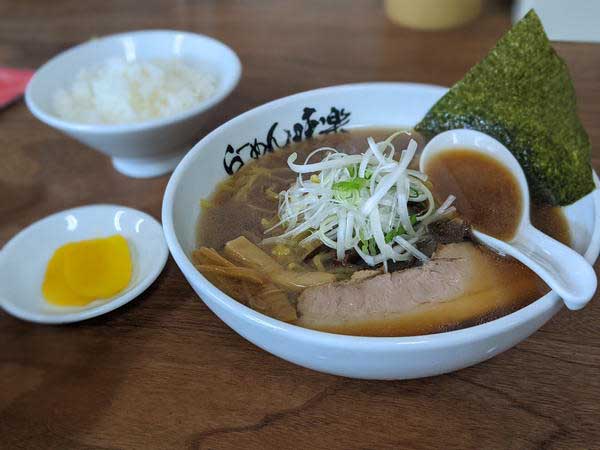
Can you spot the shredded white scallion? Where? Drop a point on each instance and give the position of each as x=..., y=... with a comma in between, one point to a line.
x=369, y=203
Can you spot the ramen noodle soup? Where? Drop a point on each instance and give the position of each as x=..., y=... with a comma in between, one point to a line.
x=343, y=234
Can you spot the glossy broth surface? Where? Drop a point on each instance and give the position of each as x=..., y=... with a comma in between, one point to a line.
x=487, y=194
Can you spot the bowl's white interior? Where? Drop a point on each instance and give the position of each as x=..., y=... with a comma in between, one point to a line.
x=372, y=105
x=202, y=52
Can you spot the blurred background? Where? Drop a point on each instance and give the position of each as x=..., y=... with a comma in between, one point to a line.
x=316, y=41
x=310, y=38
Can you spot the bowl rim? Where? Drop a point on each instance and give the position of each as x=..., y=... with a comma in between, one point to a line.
x=224, y=89
x=436, y=340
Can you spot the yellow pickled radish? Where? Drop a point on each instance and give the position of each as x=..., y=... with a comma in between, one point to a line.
x=81, y=272
x=55, y=289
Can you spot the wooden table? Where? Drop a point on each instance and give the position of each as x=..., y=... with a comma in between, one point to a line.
x=163, y=371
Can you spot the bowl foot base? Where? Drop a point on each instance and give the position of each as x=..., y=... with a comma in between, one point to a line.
x=148, y=167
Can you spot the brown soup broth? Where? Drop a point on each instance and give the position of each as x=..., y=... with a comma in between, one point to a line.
x=487, y=194
x=240, y=204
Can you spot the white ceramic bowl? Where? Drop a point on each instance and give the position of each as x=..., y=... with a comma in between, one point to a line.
x=148, y=148
x=373, y=104
x=24, y=259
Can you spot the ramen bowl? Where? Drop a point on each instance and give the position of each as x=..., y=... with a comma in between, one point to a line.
x=268, y=128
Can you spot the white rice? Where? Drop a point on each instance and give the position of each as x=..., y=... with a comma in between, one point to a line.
x=119, y=92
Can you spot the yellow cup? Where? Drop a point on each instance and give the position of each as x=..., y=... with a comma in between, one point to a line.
x=432, y=14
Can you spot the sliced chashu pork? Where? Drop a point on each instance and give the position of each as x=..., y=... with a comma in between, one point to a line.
x=461, y=282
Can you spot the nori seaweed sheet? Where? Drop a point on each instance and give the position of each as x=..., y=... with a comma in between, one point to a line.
x=521, y=94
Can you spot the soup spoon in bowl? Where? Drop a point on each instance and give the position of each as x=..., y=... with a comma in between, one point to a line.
x=562, y=268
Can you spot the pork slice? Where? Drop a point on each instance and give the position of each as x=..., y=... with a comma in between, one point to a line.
x=361, y=275
x=450, y=274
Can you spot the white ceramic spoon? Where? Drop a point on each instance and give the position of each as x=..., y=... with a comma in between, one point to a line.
x=24, y=258
x=563, y=269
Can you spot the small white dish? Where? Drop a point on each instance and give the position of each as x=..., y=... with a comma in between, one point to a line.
x=144, y=149
x=23, y=260
x=562, y=268
x=266, y=128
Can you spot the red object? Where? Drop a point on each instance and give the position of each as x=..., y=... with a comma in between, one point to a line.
x=12, y=84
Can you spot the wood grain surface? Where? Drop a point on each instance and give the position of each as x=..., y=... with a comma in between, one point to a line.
x=163, y=371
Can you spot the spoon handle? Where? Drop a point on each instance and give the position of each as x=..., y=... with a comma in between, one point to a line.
x=562, y=268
